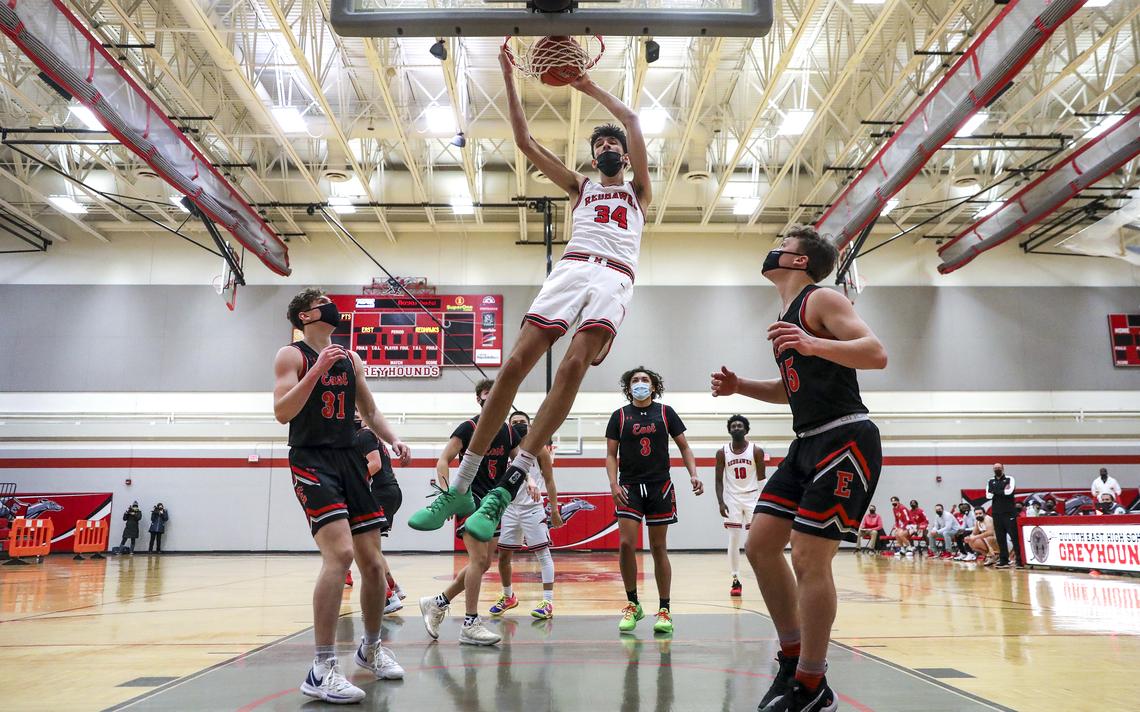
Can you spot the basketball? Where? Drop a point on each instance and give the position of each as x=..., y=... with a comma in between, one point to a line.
x=560, y=58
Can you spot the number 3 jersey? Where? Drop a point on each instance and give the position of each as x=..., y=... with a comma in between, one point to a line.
x=819, y=391
x=326, y=419
x=643, y=441
x=607, y=222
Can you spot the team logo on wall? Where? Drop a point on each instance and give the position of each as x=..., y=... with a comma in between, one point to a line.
x=63, y=509
x=1039, y=544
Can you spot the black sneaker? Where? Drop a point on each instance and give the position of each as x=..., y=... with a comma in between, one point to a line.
x=781, y=685
x=800, y=699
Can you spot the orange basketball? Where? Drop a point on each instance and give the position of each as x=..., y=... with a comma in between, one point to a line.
x=560, y=59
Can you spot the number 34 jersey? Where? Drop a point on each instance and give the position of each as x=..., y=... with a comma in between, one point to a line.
x=326, y=419
x=643, y=437
x=607, y=222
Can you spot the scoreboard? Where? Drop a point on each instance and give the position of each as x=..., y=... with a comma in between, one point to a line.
x=1124, y=331
x=397, y=339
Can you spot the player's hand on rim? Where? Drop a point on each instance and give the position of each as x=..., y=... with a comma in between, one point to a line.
x=786, y=336
x=505, y=62
x=724, y=382
x=698, y=486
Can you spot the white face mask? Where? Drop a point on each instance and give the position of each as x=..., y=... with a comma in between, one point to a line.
x=640, y=391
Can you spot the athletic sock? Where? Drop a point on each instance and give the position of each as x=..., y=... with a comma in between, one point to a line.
x=810, y=675
x=442, y=601
x=631, y=596
x=664, y=603
x=468, y=468
x=508, y=591
x=371, y=638
x=790, y=645
x=548, y=596
x=470, y=619
x=323, y=659
x=524, y=460
x=734, y=551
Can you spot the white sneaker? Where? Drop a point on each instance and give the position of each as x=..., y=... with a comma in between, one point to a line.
x=400, y=592
x=971, y=557
x=379, y=661
x=394, y=604
x=910, y=552
x=332, y=688
x=478, y=634
x=957, y=557
x=433, y=615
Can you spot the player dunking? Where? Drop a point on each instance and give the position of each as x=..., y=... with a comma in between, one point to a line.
x=524, y=528
x=637, y=463
x=736, y=497
x=318, y=388
x=591, y=285
x=822, y=488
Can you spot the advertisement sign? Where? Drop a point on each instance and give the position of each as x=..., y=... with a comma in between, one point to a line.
x=1110, y=543
x=62, y=509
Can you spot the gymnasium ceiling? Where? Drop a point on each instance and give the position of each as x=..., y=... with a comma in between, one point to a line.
x=379, y=117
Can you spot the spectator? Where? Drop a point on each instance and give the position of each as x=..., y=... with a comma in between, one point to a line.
x=1032, y=509
x=964, y=518
x=919, y=524
x=942, y=530
x=131, y=529
x=981, y=540
x=1103, y=484
x=902, y=520
x=871, y=528
x=1108, y=505
x=158, y=519
x=1004, y=511
x=1050, y=507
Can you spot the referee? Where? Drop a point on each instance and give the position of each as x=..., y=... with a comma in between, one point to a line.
x=1004, y=512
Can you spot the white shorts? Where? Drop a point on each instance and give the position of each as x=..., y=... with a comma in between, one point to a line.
x=524, y=528
x=740, y=508
x=586, y=290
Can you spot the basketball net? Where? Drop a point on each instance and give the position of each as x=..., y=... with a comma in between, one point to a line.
x=582, y=53
x=853, y=284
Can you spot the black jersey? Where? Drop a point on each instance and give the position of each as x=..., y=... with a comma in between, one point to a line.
x=643, y=441
x=326, y=418
x=496, y=459
x=819, y=391
x=366, y=441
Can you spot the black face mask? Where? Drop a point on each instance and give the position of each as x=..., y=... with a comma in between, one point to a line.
x=329, y=314
x=609, y=163
x=872, y=510
x=522, y=428
x=999, y=473
x=772, y=261
x=738, y=436
x=938, y=512
x=1106, y=507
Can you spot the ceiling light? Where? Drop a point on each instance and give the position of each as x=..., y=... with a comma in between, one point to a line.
x=462, y=205
x=1103, y=125
x=652, y=51
x=88, y=118
x=459, y=141
x=972, y=124
x=740, y=189
x=177, y=200
x=289, y=119
x=990, y=209
x=795, y=122
x=439, y=50
x=745, y=206
x=653, y=120
x=888, y=207
x=67, y=204
x=440, y=119
x=341, y=205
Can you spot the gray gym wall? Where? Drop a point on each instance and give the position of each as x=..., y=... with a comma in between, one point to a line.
x=123, y=338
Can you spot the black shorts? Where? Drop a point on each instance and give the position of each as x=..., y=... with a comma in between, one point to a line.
x=332, y=484
x=826, y=481
x=460, y=530
x=390, y=497
x=655, y=502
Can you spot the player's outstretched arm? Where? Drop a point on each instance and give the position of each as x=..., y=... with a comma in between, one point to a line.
x=550, y=165
x=727, y=383
x=372, y=416
x=638, y=156
x=450, y=452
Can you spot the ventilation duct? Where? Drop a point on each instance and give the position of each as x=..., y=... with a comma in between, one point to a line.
x=1090, y=163
x=988, y=66
x=52, y=37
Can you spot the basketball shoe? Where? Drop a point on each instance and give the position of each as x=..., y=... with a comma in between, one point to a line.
x=781, y=684
x=543, y=611
x=630, y=615
x=801, y=699
x=483, y=523
x=475, y=633
x=736, y=589
x=504, y=604
x=332, y=687
x=664, y=622
x=433, y=615
x=379, y=661
x=394, y=604
x=446, y=504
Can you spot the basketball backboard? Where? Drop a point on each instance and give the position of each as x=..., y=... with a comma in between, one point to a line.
x=480, y=18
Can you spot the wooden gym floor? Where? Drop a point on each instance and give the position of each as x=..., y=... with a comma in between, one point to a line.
x=229, y=632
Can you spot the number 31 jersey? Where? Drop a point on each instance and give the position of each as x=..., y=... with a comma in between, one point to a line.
x=643, y=437
x=326, y=419
x=607, y=222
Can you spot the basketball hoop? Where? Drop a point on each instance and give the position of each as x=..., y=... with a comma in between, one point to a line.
x=556, y=60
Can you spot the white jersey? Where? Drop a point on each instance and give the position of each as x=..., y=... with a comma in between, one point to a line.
x=740, y=471
x=607, y=222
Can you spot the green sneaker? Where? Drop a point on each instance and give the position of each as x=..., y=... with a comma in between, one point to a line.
x=630, y=615
x=483, y=523
x=664, y=623
x=446, y=504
